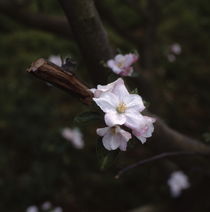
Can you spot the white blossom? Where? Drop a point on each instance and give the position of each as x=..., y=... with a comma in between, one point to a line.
x=55, y=59
x=114, y=137
x=176, y=48
x=145, y=129
x=32, y=208
x=120, y=107
x=177, y=182
x=46, y=206
x=74, y=136
x=122, y=64
x=57, y=209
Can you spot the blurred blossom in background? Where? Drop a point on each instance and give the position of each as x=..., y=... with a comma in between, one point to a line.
x=56, y=59
x=177, y=182
x=74, y=136
x=32, y=208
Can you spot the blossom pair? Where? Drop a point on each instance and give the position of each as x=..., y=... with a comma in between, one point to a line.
x=122, y=64
x=121, y=109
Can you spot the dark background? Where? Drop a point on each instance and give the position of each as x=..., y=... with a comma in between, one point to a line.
x=38, y=165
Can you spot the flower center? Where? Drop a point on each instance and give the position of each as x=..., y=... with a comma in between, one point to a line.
x=121, y=64
x=113, y=130
x=121, y=108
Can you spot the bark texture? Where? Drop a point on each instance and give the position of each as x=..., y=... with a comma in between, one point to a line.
x=90, y=36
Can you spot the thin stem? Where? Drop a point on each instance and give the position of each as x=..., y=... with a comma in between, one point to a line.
x=154, y=158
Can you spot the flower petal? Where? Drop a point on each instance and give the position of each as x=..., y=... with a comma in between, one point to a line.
x=102, y=131
x=119, y=58
x=107, y=102
x=114, y=142
x=106, y=142
x=114, y=118
x=120, y=90
x=145, y=129
x=134, y=102
x=134, y=120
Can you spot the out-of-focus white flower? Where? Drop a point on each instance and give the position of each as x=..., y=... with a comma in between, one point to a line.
x=46, y=206
x=105, y=88
x=122, y=64
x=120, y=107
x=171, y=58
x=145, y=129
x=114, y=137
x=57, y=209
x=177, y=182
x=176, y=48
x=55, y=59
x=32, y=208
x=74, y=136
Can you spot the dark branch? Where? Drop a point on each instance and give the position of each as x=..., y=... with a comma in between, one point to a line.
x=55, y=75
x=54, y=24
x=90, y=36
x=158, y=157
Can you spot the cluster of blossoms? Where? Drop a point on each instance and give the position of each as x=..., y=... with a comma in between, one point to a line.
x=122, y=64
x=177, y=182
x=121, y=109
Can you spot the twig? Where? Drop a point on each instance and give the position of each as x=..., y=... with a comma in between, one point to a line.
x=154, y=158
x=55, y=75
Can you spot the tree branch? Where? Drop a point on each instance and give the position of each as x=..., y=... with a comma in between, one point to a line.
x=158, y=157
x=164, y=138
x=92, y=39
x=54, y=24
x=90, y=36
x=56, y=76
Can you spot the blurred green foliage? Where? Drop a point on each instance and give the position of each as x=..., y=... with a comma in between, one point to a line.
x=37, y=164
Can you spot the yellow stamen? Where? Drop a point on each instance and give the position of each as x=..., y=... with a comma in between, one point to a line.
x=121, y=108
x=120, y=64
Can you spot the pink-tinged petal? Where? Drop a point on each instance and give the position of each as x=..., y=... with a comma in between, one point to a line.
x=114, y=118
x=134, y=120
x=134, y=103
x=102, y=131
x=135, y=57
x=107, y=102
x=144, y=131
x=127, y=72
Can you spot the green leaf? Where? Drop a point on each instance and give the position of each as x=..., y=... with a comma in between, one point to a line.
x=86, y=117
x=105, y=158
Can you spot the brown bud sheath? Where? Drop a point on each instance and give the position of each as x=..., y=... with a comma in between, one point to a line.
x=55, y=75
